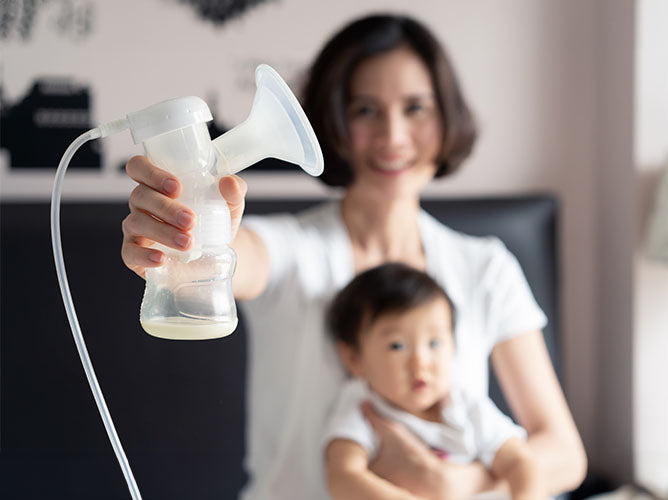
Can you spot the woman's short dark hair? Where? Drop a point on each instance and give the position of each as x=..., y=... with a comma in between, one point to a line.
x=391, y=287
x=327, y=89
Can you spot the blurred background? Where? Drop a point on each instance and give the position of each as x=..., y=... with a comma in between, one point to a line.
x=571, y=97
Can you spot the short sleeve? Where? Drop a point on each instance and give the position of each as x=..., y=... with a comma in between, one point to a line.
x=347, y=420
x=281, y=235
x=511, y=306
x=492, y=428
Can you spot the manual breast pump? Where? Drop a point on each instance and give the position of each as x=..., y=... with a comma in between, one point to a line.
x=190, y=296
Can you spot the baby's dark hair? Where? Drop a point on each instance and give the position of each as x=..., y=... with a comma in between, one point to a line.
x=391, y=287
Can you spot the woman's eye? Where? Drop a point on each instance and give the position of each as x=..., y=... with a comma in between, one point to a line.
x=414, y=108
x=364, y=111
x=434, y=343
x=396, y=346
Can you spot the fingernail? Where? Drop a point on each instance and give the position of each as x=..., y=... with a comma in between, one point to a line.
x=170, y=186
x=156, y=257
x=184, y=219
x=182, y=240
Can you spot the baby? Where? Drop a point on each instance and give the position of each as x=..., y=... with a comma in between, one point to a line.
x=394, y=329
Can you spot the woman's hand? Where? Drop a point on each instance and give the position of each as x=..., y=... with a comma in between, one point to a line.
x=404, y=460
x=522, y=365
x=233, y=188
x=157, y=216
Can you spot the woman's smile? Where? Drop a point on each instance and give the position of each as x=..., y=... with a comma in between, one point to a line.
x=391, y=165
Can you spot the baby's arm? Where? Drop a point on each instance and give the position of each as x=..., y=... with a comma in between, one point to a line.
x=514, y=463
x=349, y=477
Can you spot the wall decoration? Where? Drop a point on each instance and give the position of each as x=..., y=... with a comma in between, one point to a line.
x=53, y=113
x=67, y=66
x=72, y=18
x=220, y=11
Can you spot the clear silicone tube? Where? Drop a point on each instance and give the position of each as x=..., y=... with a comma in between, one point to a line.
x=102, y=131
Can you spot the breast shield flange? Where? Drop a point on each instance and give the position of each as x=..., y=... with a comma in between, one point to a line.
x=276, y=127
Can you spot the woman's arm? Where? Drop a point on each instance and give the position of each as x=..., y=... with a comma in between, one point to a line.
x=157, y=216
x=530, y=385
x=514, y=463
x=404, y=460
x=349, y=478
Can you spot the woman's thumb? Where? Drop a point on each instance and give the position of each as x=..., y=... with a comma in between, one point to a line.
x=233, y=188
x=379, y=423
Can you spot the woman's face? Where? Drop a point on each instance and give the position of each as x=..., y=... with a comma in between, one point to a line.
x=394, y=124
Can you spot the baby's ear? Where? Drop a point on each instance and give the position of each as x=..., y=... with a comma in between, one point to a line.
x=349, y=357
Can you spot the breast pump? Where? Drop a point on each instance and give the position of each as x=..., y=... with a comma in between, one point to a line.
x=190, y=296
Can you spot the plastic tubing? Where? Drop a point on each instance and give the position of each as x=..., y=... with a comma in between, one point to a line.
x=101, y=131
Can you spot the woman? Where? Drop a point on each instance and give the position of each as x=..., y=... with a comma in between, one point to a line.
x=386, y=106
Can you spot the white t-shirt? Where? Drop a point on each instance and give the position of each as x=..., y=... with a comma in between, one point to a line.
x=294, y=374
x=472, y=428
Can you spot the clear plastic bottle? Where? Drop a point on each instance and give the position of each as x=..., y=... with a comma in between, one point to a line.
x=190, y=296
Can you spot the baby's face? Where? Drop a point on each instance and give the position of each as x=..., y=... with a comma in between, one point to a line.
x=405, y=357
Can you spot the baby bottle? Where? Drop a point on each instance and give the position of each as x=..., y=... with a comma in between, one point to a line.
x=190, y=297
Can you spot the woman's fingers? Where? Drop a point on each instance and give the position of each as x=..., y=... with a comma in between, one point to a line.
x=140, y=169
x=403, y=458
x=393, y=434
x=154, y=214
x=140, y=226
x=145, y=199
x=137, y=258
x=381, y=425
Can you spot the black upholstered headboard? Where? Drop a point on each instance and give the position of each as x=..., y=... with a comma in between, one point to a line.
x=178, y=407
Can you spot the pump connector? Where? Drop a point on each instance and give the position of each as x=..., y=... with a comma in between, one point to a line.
x=113, y=127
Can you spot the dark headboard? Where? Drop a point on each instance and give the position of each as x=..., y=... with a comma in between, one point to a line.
x=178, y=407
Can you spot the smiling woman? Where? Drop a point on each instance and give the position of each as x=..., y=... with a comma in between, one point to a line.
x=385, y=104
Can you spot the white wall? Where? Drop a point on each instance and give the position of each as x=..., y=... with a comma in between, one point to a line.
x=650, y=338
x=548, y=79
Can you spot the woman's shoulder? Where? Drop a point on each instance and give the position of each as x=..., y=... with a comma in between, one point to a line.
x=288, y=228
x=464, y=264
x=453, y=243
x=319, y=215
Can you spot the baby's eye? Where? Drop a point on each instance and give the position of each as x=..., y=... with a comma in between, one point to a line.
x=434, y=343
x=396, y=346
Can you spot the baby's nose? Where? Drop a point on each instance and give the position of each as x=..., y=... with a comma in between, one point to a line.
x=420, y=358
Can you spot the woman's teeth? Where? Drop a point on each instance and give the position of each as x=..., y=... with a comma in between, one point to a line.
x=392, y=165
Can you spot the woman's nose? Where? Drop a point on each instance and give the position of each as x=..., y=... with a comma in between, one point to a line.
x=394, y=129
